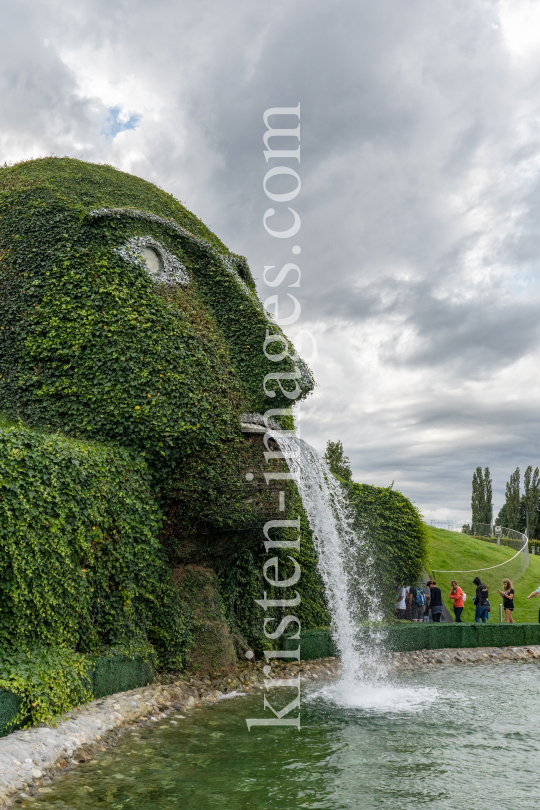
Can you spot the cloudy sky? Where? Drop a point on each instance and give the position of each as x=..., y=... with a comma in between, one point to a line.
x=420, y=198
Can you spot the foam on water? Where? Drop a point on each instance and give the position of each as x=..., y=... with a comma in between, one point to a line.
x=375, y=698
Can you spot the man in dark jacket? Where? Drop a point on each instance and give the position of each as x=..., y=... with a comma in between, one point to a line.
x=435, y=601
x=481, y=605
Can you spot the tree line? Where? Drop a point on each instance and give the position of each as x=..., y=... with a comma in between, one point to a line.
x=518, y=503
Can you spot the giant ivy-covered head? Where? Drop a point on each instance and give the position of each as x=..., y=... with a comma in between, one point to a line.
x=122, y=317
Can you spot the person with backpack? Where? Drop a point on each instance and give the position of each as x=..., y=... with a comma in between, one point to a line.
x=435, y=601
x=481, y=602
x=456, y=595
x=417, y=600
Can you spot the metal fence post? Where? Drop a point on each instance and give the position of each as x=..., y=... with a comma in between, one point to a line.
x=500, y=613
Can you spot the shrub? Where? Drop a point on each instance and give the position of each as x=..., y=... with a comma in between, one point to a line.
x=396, y=537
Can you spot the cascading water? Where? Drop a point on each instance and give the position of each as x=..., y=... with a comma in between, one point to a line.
x=343, y=559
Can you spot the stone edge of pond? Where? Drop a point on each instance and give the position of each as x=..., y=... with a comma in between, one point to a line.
x=31, y=758
x=466, y=655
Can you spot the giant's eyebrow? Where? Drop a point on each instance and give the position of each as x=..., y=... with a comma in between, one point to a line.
x=134, y=213
x=224, y=259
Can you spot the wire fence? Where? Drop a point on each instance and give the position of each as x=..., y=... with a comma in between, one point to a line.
x=509, y=561
x=449, y=525
x=513, y=556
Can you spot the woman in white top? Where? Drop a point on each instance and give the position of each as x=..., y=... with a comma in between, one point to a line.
x=400, y=602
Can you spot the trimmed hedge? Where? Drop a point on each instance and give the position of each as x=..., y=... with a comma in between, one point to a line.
x=107, y=675
x=438, y=636
x=410, y=636
x=119, y=673
x=313, y=644
x=10, y=706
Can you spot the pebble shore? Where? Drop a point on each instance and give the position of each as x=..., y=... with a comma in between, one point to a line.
x=30, y=758
x=474, y=655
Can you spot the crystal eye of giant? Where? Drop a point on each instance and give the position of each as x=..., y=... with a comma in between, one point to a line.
x=152, y=261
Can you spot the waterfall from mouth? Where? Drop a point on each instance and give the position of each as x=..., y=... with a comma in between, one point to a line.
x=344, y=561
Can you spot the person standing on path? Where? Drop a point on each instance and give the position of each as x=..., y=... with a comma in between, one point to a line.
x=508, y=600
x=417, y=605
x=435, y=601
x=456, y=595
x=427, y=607
x=535, y=593
x=421, y=602
x=481, y=612
x=408, y=604
x=400, y=602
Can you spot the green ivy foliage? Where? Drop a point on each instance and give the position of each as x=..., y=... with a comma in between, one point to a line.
x=396, y=536
x=50, y=680
x=81, y=565
x=146, y=383
x=93, y=347
x=239, y=558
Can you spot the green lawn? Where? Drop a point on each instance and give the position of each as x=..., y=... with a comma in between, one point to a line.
x=459, y=552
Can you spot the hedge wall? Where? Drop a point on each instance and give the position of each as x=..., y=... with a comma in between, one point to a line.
x=104, y=676
x=426, y=636
x=316, y=643
x=10, y=708
x=430, y=636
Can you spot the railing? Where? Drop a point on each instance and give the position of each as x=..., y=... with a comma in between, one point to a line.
x=501, y=536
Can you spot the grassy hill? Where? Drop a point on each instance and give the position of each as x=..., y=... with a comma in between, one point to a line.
x=451, y=551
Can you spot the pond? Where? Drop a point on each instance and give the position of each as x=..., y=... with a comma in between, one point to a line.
x=451, y=738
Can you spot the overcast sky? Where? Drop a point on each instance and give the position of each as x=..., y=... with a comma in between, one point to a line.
x=420, y=198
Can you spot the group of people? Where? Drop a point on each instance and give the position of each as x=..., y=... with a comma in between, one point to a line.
x=413, y=604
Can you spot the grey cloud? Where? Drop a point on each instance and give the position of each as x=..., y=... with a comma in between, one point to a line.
x=40, y=106
x=420, y=197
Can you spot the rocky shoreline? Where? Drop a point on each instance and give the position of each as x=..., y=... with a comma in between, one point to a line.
x=469, y=655
x=30, y=758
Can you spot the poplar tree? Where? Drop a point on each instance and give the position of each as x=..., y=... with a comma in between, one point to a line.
x=531, y=483
x=481, y=499
x=488, y=500
x=513, y=500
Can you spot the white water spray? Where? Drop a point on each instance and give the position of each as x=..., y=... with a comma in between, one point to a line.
x=349, y=589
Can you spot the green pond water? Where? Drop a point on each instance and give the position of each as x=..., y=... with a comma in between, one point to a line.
x=451, y=738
